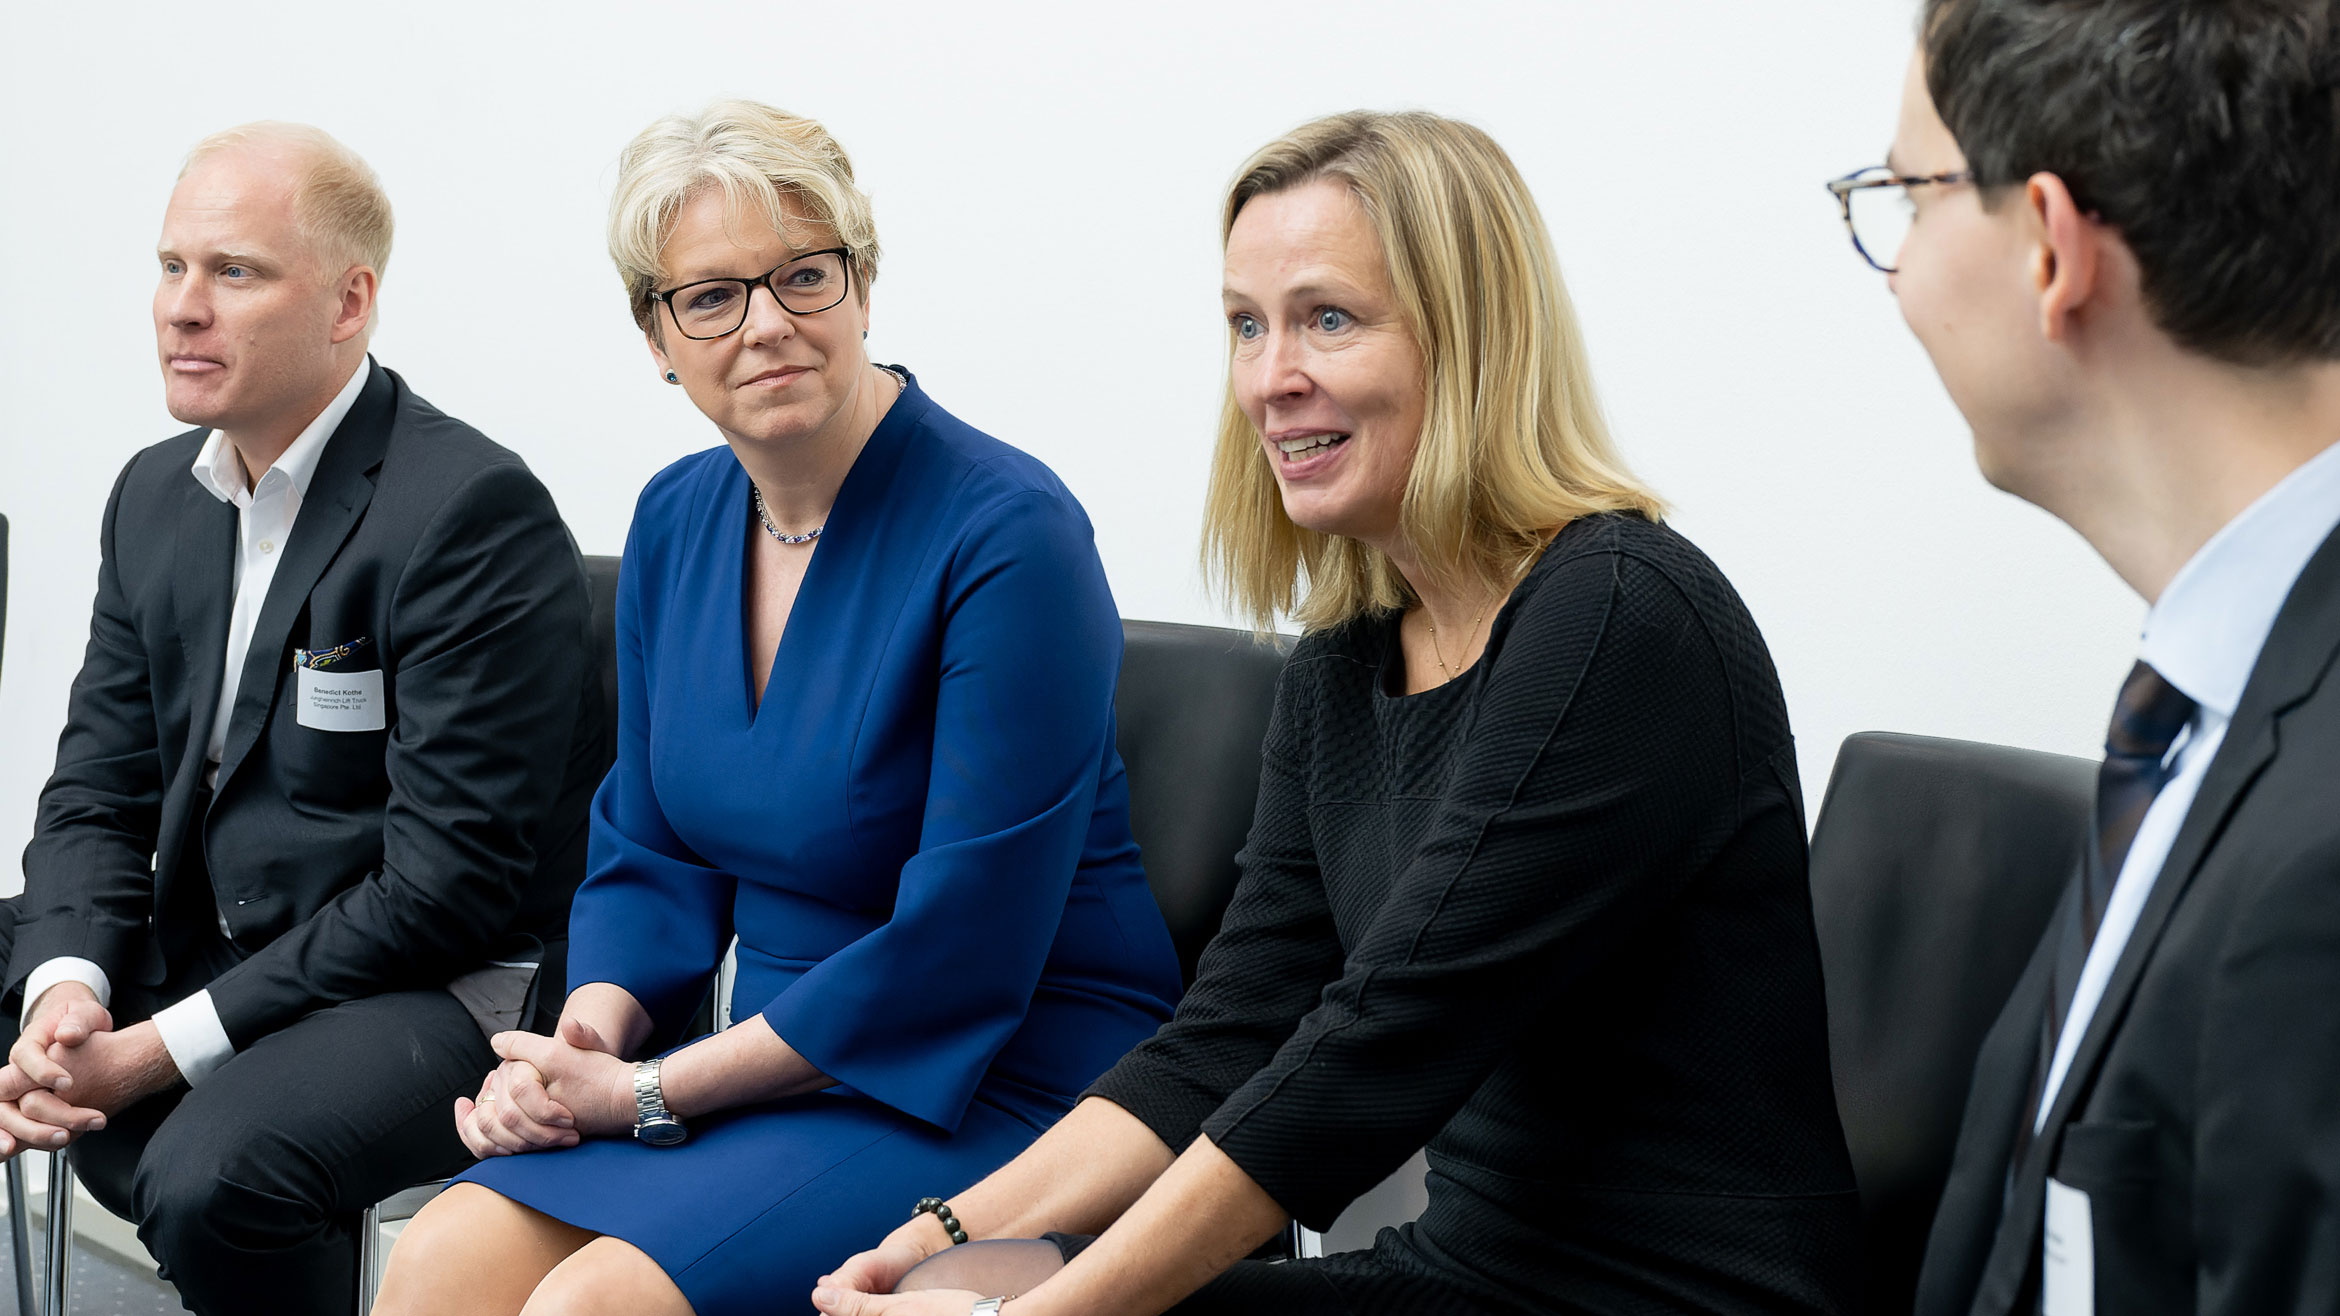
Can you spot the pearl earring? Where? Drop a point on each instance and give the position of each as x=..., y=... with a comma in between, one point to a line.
x=672, y=378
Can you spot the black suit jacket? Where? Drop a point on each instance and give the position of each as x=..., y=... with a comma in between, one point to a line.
x=2202, y=1111
x=346, y=863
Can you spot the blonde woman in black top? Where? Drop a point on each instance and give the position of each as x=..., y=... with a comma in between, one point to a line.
x=1526, y=883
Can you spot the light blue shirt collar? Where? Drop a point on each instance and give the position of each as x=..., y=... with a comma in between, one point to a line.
x=2205, y=632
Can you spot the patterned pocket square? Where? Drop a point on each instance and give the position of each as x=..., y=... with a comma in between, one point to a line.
x=317, y=660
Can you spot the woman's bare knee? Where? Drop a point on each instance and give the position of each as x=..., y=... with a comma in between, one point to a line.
x=991, y=1267
x=607, y=1277
x=473, y=1252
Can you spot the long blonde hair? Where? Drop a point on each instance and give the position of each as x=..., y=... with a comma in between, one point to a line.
x=1512, y=446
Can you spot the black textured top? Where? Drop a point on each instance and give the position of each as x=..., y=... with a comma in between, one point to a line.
x=1550, y=919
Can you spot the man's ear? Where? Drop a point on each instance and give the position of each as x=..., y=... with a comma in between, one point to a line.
x=2066, y=257
x=359, y=285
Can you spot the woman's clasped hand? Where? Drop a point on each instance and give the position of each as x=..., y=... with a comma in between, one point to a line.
x=549, y=1092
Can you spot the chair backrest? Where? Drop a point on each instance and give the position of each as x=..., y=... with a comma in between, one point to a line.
x=1935, y=867
x=3, y=586
x=601, y=578
x=1192, y=709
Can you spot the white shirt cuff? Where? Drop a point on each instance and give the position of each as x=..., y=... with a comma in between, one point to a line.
x=64, y=968
x=192, y=1033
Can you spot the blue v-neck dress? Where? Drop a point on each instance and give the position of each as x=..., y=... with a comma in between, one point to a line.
x=921, y=838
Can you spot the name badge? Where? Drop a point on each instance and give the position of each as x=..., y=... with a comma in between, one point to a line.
x=2067, y=1282
x=340, y=701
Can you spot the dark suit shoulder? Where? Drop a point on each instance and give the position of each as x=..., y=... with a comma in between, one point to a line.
x=2289, y=851
x=430, y=452
x=158, y=468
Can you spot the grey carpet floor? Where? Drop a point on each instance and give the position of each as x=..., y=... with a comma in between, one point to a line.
x=102, y=1286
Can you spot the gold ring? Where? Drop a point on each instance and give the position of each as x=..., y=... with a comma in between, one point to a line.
x=485, y=1098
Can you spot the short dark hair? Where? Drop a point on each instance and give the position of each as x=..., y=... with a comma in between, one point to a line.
x=2206, y=131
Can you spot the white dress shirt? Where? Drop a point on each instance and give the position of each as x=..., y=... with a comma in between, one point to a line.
x=191, y=1030
x=2204, y=637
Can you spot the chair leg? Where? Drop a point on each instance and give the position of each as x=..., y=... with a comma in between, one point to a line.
x=369, y=1260
x=372, y=1256
x=60, y=1247
x=20, y=1237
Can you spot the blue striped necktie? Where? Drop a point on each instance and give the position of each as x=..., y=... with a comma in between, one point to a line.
x=2146, y=721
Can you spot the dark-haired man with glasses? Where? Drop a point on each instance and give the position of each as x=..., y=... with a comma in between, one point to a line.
x=2115, y=226
x=320, y=796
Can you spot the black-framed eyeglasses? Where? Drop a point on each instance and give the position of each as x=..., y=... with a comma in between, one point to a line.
x=803, y=285
x=1877, y=209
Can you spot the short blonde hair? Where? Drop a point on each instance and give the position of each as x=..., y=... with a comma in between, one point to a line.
x=339, y=205
x=1513, y=445
x=756, y=154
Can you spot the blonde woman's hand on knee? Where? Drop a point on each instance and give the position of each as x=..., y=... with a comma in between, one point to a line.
x=882, y=1267
x=926, y=1302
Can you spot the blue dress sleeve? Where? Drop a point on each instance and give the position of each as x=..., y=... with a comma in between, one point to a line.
x=651, y=916
x=913, y=1013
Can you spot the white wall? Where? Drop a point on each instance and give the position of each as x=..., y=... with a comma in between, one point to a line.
x=1755, y=370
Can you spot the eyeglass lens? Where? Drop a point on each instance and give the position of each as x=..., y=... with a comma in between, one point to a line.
x=1880, y=222
x=718, y=306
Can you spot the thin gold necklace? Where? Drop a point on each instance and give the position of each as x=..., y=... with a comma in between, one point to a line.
x=1504, y=593
x=1434, y=652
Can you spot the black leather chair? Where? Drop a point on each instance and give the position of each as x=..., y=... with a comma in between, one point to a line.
x=1192, y=709
x=19, y=1229
x=1935, y=867
x=601, y=579
x=3, y=586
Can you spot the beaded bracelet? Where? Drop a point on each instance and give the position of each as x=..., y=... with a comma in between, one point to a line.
x=942, y=1214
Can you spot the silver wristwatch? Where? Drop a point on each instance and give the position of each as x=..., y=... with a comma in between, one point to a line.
x=654, y=1124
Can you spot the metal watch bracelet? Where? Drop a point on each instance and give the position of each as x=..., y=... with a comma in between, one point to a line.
x=654, y=1124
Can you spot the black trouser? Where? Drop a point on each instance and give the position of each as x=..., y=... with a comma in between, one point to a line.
x=247, y=1187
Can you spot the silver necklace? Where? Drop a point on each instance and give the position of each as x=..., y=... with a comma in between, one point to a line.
x=756, y=496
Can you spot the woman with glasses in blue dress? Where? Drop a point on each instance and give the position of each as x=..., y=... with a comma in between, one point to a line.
x=866, y=658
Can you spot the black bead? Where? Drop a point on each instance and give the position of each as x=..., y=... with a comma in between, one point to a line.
x=958, y=1236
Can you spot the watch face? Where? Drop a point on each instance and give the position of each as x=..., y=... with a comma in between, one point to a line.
x=662, y=1132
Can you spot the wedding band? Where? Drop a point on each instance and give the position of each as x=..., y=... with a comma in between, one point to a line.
x=485, y=1098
